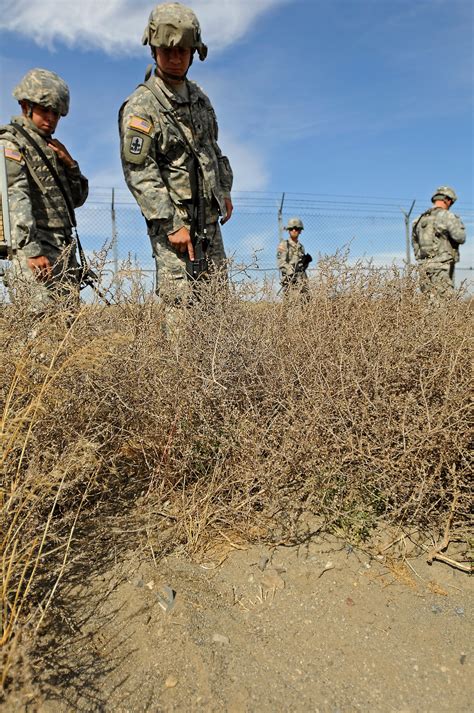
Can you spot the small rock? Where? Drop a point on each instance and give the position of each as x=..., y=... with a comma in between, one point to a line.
x=459, y=611
x=167, y=598
x=436, y=609
x=137, y=582
x=171, y=682
x=263, y=561
x=462, y=659
x=220, y=639
x=350, y=602
x=150, y=584
x=272, y=580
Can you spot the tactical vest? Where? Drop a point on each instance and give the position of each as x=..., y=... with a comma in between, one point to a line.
x=48, y=204
x=426, y=235
x=433, y=242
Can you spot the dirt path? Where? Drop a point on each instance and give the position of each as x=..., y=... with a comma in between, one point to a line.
x=316, y=628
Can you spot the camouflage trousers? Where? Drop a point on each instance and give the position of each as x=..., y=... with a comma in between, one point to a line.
x=172, y=283
x=437, y=280
x=60, y=292
x=295, y=285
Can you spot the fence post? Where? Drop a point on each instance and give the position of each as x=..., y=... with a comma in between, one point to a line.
x=114, y=234
x=407, y=231
x=280, y=218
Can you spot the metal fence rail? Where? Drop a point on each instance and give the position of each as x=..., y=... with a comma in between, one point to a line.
x=375, y=229
x=370, y=228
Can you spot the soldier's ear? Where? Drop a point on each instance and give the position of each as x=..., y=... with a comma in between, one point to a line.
x=26, y=107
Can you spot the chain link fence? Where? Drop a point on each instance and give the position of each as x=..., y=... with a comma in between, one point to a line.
x=376, y=230
x=372, y=229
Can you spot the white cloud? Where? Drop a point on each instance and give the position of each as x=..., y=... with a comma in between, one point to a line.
x=115, y=26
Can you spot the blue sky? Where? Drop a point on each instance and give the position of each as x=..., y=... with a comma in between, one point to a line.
x=341, y=97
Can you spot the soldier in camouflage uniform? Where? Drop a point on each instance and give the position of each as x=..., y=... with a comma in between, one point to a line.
x=292, y=260
x=436, y=236
x=44, y=270
x=170, y=156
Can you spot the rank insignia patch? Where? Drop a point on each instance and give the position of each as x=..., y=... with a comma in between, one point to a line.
x=136, y=145
x=140, y=124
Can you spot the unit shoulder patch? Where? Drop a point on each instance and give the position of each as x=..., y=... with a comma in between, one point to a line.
x=136, y=146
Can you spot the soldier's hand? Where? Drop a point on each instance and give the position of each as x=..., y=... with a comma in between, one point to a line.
x=62, y=153
x=40, y=267
x=228, y=210
x=181, y=240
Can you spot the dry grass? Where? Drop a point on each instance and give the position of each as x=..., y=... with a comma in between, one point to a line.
x=354, y=407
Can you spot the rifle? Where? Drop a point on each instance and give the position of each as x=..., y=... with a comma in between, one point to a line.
x=198, y=268
x=88, y=277
x=300, y=267
x=6, y=252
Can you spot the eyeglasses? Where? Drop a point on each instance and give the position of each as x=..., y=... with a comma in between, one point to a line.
x=298, y=229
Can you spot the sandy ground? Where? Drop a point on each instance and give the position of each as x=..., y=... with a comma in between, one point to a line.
x=320, y=627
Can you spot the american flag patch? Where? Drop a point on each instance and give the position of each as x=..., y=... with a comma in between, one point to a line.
x=140, y=124
x=13, y=154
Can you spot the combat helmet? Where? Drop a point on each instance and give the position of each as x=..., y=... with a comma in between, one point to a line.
x=444, y=192
x=40, y=86
x=174, y=25
x=295, y=223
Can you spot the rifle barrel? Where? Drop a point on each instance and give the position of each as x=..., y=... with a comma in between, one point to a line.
x=7, y=236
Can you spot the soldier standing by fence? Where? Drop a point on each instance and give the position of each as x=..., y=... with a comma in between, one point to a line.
x=45, y=184
x=436, y=236
x=170, y=156
x=292, y=260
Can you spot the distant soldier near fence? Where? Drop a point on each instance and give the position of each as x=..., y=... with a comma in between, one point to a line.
x=45, y=184
x=436, y=237
x=293, y=261
x=171, y=160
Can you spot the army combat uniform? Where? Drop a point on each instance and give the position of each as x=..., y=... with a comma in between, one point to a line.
x=436, y=236
x=290, y=254
x=164, y=142
x=41, y=224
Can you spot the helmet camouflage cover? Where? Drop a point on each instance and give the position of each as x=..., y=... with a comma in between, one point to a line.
x=174, y=25
x=444, y=192
x=295, y=223
x=40, y=86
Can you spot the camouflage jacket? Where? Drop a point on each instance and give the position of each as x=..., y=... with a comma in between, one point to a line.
x=289, y=254
x=436, y=236
x=38, y=211
x=158, y=161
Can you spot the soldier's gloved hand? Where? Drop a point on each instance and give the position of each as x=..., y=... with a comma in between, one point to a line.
x=40, y=267
x=181, y=240
x=228, y=210
x=62, y=153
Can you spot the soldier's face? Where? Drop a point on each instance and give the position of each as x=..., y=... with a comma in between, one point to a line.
x=173, y=61
x=45, y=118
x=294, y=233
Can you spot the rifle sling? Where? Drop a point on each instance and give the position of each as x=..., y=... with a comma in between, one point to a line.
x=51, y=169
x=168, y=110
x=57, y=180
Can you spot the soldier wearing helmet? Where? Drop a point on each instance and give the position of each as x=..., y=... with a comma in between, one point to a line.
x=171, y=160
x=292, y=260
x=43, y=265
x=436, y=236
